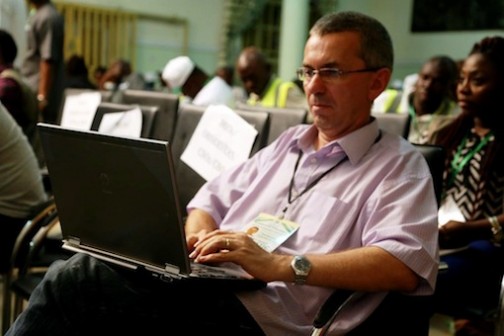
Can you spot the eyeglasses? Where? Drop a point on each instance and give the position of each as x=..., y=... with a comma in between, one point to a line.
x=327, y=74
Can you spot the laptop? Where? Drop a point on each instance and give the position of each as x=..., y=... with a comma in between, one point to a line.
x=117, y=200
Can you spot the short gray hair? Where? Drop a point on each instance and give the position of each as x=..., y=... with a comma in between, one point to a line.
x=376, y=44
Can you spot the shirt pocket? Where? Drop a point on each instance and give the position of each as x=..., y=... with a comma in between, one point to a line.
x=325, y=222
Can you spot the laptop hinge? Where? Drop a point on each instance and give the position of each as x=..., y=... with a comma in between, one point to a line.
x=74, y=241
x=172, y=271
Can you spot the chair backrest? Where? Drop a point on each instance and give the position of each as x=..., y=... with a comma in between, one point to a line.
x=148, y=115
x=166, y=117
x=280, y=118
x=398, y=314
x=188, y=118
x=395, y=123
x=435, y=157
x=41, y=215
x=106, y=96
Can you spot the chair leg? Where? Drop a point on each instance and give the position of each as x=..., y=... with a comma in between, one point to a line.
x=6, y=304
x=18, y=306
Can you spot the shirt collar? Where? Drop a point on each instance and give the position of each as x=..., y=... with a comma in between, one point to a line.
x=355, y=145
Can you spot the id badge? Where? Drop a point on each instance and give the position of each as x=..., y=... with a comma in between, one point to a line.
x=270, y=231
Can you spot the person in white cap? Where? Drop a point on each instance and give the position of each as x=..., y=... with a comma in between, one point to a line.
x=182, y=73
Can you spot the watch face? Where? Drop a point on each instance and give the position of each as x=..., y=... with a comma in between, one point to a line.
x=302, y=265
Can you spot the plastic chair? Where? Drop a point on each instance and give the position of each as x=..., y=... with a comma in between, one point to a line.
x=435, y=157
x=395, y=123
x=166, y=117
x=42, y=215
x=280, y=118
x=148, y=115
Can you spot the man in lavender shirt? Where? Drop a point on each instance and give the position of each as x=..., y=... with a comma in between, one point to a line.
x=358, y=203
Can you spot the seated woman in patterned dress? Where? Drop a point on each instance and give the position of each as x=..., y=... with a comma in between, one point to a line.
x=474, y=187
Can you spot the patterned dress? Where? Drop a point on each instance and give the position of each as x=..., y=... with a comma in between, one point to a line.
x=476, y=198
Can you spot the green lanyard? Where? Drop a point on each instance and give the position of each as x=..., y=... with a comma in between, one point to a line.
x=458, y=162
x=412, y=113
x=414, y=120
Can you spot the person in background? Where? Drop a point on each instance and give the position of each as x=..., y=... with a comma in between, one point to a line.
x=11, y=91
x=98, y=73
x=431, y=102
x=17, y=97
x=21, y=186
x=262, y=86
x=474, y=187
x=197, y=87
x=346, y=193
x=43, y=66
x=76, y=74
x=120, y=76
x=226, y=72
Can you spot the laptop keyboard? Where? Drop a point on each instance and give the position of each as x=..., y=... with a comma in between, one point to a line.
x=207, y=271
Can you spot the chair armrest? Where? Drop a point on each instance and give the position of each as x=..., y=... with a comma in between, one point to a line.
x=334, y=304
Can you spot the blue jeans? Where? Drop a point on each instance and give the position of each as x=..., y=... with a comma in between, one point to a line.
x=84, y=296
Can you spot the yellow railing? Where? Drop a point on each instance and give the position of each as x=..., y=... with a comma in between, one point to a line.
x=99, y=35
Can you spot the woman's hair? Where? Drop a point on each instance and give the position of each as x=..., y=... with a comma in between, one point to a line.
x=492, y=48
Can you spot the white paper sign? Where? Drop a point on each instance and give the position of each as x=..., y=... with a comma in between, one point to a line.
x=80, y=109
x=221, y=140
x=127, y=123
x=449, y=211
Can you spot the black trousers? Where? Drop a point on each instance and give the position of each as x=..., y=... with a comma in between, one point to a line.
x=84, y=296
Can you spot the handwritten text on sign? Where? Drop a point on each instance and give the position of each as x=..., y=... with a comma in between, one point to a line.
x=221, y=140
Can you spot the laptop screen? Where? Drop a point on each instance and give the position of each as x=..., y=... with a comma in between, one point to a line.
x=116, y=194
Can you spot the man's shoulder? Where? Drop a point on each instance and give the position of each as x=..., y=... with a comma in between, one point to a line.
x=10, y=81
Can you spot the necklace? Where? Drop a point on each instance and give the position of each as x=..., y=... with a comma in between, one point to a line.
x=459, y=162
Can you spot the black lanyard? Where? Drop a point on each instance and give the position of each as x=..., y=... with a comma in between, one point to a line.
x=290, y=200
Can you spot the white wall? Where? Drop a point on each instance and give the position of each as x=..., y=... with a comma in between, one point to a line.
x=412, y=49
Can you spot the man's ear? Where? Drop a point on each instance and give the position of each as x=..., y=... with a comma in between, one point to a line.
x=379, y=82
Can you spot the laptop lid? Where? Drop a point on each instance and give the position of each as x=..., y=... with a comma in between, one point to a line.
x=117, y=196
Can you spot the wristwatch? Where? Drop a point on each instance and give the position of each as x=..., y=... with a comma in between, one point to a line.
x=301, y=267
x=41, y=98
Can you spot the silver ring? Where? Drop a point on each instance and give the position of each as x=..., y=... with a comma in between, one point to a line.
x=227, y=242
